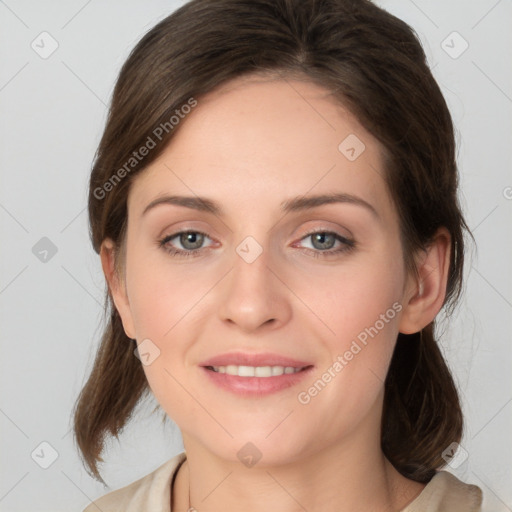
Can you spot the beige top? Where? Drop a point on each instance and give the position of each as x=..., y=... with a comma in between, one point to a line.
x=152, y=493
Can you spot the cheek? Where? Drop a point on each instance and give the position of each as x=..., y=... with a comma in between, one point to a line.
x=346, y=300
x=160, y=296
x=360, y=308
x=163, y=300
x=159, y=313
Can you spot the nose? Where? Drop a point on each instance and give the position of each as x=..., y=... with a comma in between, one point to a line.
x=253, y=295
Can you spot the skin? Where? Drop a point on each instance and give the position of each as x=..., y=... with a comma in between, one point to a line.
x=248, y=146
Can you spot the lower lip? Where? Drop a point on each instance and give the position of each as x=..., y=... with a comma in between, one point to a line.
x=256, y=386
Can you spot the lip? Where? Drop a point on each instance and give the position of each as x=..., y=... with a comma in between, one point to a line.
x=245, y=359
x=255, y=386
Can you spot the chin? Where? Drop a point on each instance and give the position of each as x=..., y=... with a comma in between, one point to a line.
x=252, y=448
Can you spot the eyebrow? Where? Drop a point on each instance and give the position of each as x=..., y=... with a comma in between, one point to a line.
x=300, y=203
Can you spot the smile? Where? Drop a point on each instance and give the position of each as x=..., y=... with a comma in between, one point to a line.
x=256, y=381
x=255, y=371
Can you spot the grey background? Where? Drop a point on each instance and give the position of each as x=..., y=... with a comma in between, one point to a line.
x=52, y=114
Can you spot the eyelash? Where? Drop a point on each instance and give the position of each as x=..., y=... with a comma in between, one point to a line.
x=346, y=247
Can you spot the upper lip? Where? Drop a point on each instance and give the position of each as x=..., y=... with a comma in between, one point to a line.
x=263, y=359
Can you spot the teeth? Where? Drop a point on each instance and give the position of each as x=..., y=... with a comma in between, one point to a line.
x=255, y=371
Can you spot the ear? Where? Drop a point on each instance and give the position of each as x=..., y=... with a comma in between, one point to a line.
x=424, y=298
x=116, y=285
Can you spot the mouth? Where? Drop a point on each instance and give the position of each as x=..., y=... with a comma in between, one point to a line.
x=255, y=381
x=257, y=371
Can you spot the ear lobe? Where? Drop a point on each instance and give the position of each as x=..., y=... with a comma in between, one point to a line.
x=426, y=296
x=116, y=285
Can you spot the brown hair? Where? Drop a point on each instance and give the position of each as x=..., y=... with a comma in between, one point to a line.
x=373, y=63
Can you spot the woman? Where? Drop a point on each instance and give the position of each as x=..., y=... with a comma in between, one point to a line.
x=274, y=201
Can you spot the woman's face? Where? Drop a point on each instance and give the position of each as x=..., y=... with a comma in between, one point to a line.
x=258, y=282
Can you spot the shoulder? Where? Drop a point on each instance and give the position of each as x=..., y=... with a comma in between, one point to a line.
x=446, y=492
x=152, y=492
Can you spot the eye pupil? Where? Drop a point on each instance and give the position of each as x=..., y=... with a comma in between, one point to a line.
x=325, y=240
x=191, y=240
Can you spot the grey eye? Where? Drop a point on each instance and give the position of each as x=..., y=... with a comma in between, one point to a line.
x=323, y=240
x=191, y=240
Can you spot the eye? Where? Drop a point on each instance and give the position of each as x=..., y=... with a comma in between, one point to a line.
x=323, y=243
x=190, y=241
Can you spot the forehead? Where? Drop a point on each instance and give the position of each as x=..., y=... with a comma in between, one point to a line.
x=256, y=138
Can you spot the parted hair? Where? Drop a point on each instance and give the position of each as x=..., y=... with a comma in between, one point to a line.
x=374, y=65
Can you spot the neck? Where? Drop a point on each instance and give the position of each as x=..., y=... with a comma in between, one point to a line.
x=344, y=477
